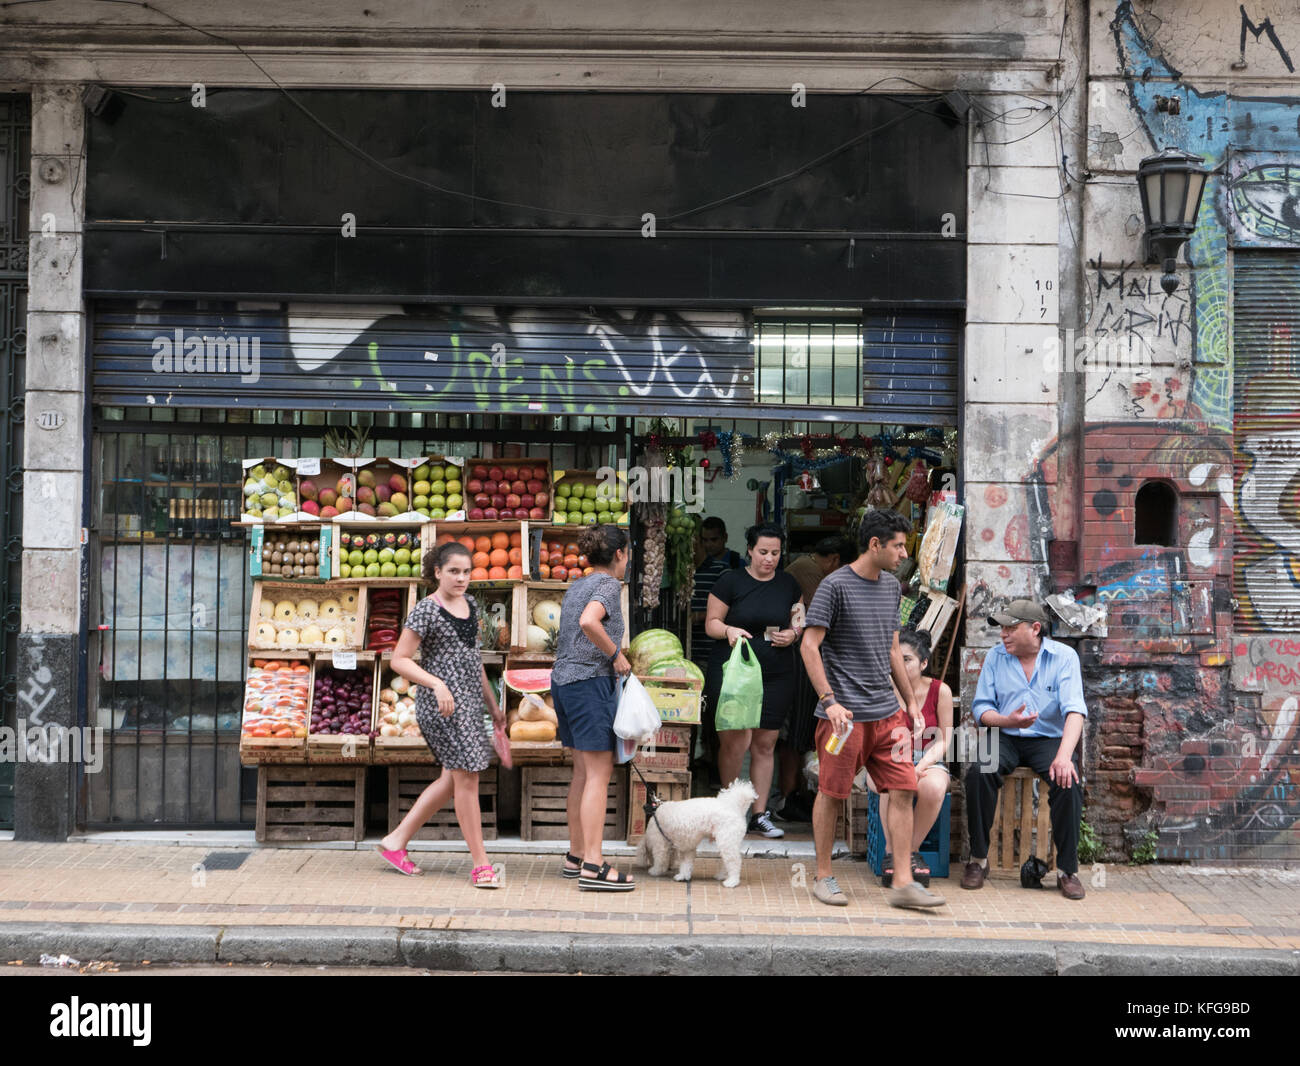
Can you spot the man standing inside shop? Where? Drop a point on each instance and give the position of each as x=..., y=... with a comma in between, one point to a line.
x=712, y=559
x=850, y=649
x=1031, y=691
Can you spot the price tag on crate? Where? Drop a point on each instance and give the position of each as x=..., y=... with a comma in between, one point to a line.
x=309, y=467
x=345, y=660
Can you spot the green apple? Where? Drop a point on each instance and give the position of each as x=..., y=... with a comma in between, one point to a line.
x=371, y=556
x=454, y=501
x=372, y=570
x=437, y=514
x=437, y=500
x=437, y=473
x=602, y=517
x=588, y=507
x=402, y=555
x=575, y=518
x=562, y=490
x=420, y=503
x=344, y=570
x=420, y=473
x=421, y=488
x=403, y=569
x=388, y=569
x=356, y=557
x=589, y=519
x=438, y=488
x=615, y=506
x=387, y=555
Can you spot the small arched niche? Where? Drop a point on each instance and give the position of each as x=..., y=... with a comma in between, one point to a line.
x=1155, y=514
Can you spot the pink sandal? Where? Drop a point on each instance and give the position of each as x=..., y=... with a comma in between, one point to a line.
x=399, y=860
x=485, y=877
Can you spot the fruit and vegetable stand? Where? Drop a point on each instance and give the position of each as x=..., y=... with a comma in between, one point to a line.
x=337, y=562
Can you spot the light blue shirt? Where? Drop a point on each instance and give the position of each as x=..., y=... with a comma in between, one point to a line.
x=1054, y=690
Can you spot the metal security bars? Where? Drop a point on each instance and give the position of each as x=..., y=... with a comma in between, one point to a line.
x=170, y=594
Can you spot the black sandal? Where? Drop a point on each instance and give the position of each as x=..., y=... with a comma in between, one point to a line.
x=920, y=870
x=887, y=871
x=577, y=861
x=600, y=881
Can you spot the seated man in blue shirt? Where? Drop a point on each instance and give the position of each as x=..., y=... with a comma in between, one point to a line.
x=1031, y=690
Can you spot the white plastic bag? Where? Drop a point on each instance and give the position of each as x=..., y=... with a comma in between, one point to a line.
x=637, y=718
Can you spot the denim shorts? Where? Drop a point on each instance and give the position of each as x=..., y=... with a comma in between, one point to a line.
x=586, y=713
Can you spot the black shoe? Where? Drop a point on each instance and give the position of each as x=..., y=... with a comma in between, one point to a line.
x=762, y=825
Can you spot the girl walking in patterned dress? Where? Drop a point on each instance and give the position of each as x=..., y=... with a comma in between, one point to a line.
x=449, y=702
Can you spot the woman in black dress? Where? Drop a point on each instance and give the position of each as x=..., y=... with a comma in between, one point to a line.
x=760, y=603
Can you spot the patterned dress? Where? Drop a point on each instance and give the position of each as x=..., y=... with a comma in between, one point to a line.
x=449, y=650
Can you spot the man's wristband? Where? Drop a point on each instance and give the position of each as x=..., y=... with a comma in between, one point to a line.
x=826, y=696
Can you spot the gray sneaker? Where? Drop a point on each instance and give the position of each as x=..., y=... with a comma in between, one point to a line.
x=827, y=889
x=915, y=896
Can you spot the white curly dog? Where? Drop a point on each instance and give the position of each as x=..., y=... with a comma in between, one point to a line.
x=688, y=823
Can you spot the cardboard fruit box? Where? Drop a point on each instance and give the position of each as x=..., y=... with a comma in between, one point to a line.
x=528, y=595
x=266, y=498
x=436, y=486
x=498, y=490
x=311, y=543
x=408, y=744
x=677, y=698
x=353, y=538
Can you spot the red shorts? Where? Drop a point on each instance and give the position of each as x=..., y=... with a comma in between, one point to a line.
x=883, y=747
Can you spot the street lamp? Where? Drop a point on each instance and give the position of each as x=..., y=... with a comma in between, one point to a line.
x=1171, y=184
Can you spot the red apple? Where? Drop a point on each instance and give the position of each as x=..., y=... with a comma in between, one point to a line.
x=512, y=501
x=498, y=501
x=482, y=499
x=476, y=514
x=490, y=514
x=479, y=472
x=510, y=473
x=490, y=487
x=474, y=486
x=535, y=486
x=521, y=512
x=536, y=513
x=494, y=474
x=527, y=500
x=542, y=499
x=518, y=487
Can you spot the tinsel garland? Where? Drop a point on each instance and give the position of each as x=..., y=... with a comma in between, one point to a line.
x=733, y=453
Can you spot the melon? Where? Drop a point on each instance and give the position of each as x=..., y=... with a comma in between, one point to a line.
x=337, y=635
x=266, y=610
x=285, y=610
x=307, y=609
x=547, y=614
x=329, y=610
x=531, y=680
x=312, y=635
x=653, y=646
x=669, y=668
x=265, y=633
x=288, y=638
x=348, y=602
x=536, y=640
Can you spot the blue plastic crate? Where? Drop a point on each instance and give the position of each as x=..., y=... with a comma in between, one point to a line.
x=934, y=848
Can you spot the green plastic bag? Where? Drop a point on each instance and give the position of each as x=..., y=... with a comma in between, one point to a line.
x=740, y=701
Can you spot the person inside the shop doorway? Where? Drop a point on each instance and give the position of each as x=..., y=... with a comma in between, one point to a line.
x=760, y=603
x=795, y=805
x=1030, y=690
x=851, y=651
x=587, y=658
x=712, y=559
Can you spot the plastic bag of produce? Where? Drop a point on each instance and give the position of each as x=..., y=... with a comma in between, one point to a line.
x=939, y=546
x=740, y=701
x=637, y=717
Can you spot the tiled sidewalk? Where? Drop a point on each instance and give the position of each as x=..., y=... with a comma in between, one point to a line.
x=158, y=885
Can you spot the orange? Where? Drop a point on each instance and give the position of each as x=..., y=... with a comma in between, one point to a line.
x=481, y=561
x=544, y=572
x=582, y=560
x=515, y=573
x=571, y=548
x=478, y=574
x=468, y=542
x=483, y=544
x=500, y=557
x=516, y=540
x=444, y=538
x=556, y=548
x=559, y=573
x=516, y=555
x=497, y=573
x=543, y=556
x=501, y=540
x=570, y=561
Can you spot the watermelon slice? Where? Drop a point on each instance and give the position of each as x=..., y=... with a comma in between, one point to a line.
x=534, y=679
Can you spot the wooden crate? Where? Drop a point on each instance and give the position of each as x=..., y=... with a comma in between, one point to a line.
x=669, y=750
x=409, y=595
x=310, y=803
x=855, y=823
x=589, y=477
x=395, y=750
x=545, y=794
x=1017, y=831
x=482, y=468
x=668, y=785
x=677, y=698
x=332, y=747
x=350, y=618
x=405, y=783
x=319, y=536
x=253, y=751
x=527, y=595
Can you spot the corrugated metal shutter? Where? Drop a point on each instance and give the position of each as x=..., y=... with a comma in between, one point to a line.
x=1266, y=440
x=896, y=368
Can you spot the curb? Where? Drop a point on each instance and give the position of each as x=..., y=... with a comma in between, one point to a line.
x=626, y=955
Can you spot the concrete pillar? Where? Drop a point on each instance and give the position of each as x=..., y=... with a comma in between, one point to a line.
x=54, y=461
